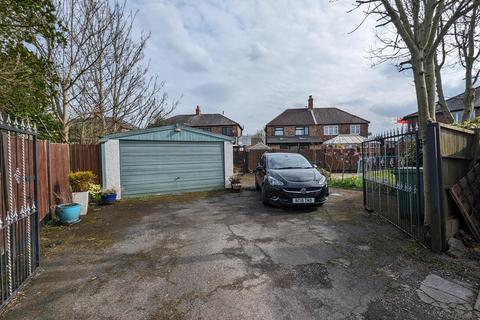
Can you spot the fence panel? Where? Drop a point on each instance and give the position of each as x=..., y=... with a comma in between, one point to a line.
x=86, y=157
x=43, y=179
x=59, y=161
x=333, y=160
x=392, y=180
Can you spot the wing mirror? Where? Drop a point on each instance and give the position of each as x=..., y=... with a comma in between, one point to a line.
x=314, y=166
x=259, y=168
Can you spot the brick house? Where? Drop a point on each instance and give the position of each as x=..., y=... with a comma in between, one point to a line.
x=455, y=104
x=308, y=128
x=211, y=122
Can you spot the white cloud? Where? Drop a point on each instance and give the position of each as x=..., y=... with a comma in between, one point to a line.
x=252, y=59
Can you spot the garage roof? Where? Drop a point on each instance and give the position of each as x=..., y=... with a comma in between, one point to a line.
x=168, y=133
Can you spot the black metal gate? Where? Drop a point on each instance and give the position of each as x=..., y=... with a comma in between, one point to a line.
x=392, y=179
x=19, y=236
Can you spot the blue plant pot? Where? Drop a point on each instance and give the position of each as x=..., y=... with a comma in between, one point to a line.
x=69, y=213
x=109, y=198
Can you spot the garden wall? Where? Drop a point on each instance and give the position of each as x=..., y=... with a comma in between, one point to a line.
x=54, y=162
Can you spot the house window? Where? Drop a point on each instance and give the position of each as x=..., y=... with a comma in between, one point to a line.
x=227, y=131
x=279, y=131
x=457, y=116
x=330, y=130
x=284, y=147
x=354, y=129
x=301, y=131
x=208, y=129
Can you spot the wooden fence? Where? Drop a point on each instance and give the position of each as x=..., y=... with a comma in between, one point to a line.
x=334, y=160
x=55, y=162
x=458, y=149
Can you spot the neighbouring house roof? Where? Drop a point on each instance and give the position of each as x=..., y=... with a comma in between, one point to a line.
x=454, y=103
x=260, y=146
x=305, y=116
x=346, y=139
x=201, y=120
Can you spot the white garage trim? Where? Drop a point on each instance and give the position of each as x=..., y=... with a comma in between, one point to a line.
x=111, y=166
x=228, y=158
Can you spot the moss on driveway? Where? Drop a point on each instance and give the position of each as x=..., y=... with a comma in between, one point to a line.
x=220, y=255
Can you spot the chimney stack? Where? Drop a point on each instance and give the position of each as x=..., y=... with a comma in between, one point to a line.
x=197, y=110
x=310, y=102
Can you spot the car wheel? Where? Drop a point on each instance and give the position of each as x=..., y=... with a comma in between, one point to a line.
x=265, y=200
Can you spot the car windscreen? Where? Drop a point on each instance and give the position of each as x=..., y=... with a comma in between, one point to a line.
x=287, y=161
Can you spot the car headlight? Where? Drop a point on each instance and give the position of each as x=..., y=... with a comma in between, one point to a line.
x=274, y=182
x=320, y=180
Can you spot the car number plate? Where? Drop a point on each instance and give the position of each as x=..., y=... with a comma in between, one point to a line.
x=303, y=200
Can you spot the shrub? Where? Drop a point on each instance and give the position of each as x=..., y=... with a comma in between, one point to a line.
x=470, y=124
x=81, y=180
x=346, y=183
x=106, y=192
x=235, y=179
x=94, y=191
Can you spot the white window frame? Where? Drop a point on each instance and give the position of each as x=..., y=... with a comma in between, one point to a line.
x=301, y=128
x=330, y=130
x=355, y=129
x=457, y=116
x=275, y=132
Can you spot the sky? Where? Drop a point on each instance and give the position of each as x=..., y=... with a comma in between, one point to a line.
x=252, y=59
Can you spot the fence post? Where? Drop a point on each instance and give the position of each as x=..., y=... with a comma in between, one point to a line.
x=364, y=185
x=438, y=228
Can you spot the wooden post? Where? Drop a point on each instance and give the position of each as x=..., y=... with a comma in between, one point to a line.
x=475, y=148
x=437, y=217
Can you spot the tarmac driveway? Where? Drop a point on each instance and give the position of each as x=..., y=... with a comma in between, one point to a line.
x=226, y=256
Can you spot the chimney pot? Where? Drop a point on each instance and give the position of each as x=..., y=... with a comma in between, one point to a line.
x=310, y=102
x=197, y=110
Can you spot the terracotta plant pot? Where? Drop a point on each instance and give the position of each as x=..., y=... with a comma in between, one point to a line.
x=236, y=187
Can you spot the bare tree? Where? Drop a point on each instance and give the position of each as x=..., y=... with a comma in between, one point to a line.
x=120, y=89
x=420, y=27
x=467, y=43
x=69, y=61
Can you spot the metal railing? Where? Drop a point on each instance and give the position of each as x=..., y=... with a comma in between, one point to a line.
x=392, y=179
x=19, y=234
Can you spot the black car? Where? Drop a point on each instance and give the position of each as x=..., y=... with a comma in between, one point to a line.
x=289, y=179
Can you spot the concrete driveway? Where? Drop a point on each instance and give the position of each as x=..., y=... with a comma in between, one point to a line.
x=225, y=256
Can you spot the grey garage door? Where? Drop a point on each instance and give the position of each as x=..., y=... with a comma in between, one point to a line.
x=150, y=167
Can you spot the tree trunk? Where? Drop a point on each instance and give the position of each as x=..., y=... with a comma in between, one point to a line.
x=441, y=96
x=469, y=99
x=423, y=120
x=430, y=81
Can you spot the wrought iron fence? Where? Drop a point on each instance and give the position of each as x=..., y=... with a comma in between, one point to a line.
x=19, y=236
x=392, y=179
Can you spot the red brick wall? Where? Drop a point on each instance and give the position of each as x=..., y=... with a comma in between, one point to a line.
x=440, y=117
x=236, y=130
x=317, y=130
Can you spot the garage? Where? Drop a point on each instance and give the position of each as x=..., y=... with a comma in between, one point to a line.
x=166, y=160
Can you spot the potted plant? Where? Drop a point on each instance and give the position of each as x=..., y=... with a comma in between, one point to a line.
x=66, y=210
x=108, y=196
x=235, y=182
x=80, y=182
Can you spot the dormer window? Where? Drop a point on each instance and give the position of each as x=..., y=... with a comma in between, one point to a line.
x=301, y=131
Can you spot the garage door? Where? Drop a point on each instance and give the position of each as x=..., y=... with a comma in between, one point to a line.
x=149, y=167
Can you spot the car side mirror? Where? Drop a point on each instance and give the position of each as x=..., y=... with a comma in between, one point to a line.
x=259, y=168
x=315, y=166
